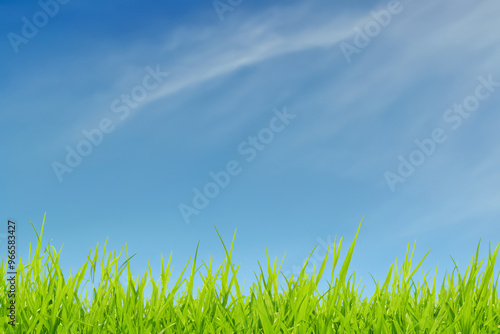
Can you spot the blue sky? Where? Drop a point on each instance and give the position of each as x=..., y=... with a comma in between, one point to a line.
x=201, y=84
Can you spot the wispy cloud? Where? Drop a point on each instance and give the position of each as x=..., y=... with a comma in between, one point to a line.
x=393, y=69
x=276, y=32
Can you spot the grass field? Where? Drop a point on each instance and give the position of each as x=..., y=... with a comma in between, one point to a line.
x=47, y=302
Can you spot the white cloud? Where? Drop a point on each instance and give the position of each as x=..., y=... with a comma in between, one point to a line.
x=276, y=32
x=418, y=43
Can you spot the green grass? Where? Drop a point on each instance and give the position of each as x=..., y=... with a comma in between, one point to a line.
x=48, y=302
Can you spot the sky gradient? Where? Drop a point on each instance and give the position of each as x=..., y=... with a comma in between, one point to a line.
x=393, y=115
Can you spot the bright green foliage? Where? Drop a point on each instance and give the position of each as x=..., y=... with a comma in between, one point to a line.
x=47, y=302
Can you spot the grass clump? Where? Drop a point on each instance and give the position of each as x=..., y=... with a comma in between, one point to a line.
x=49, y=302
